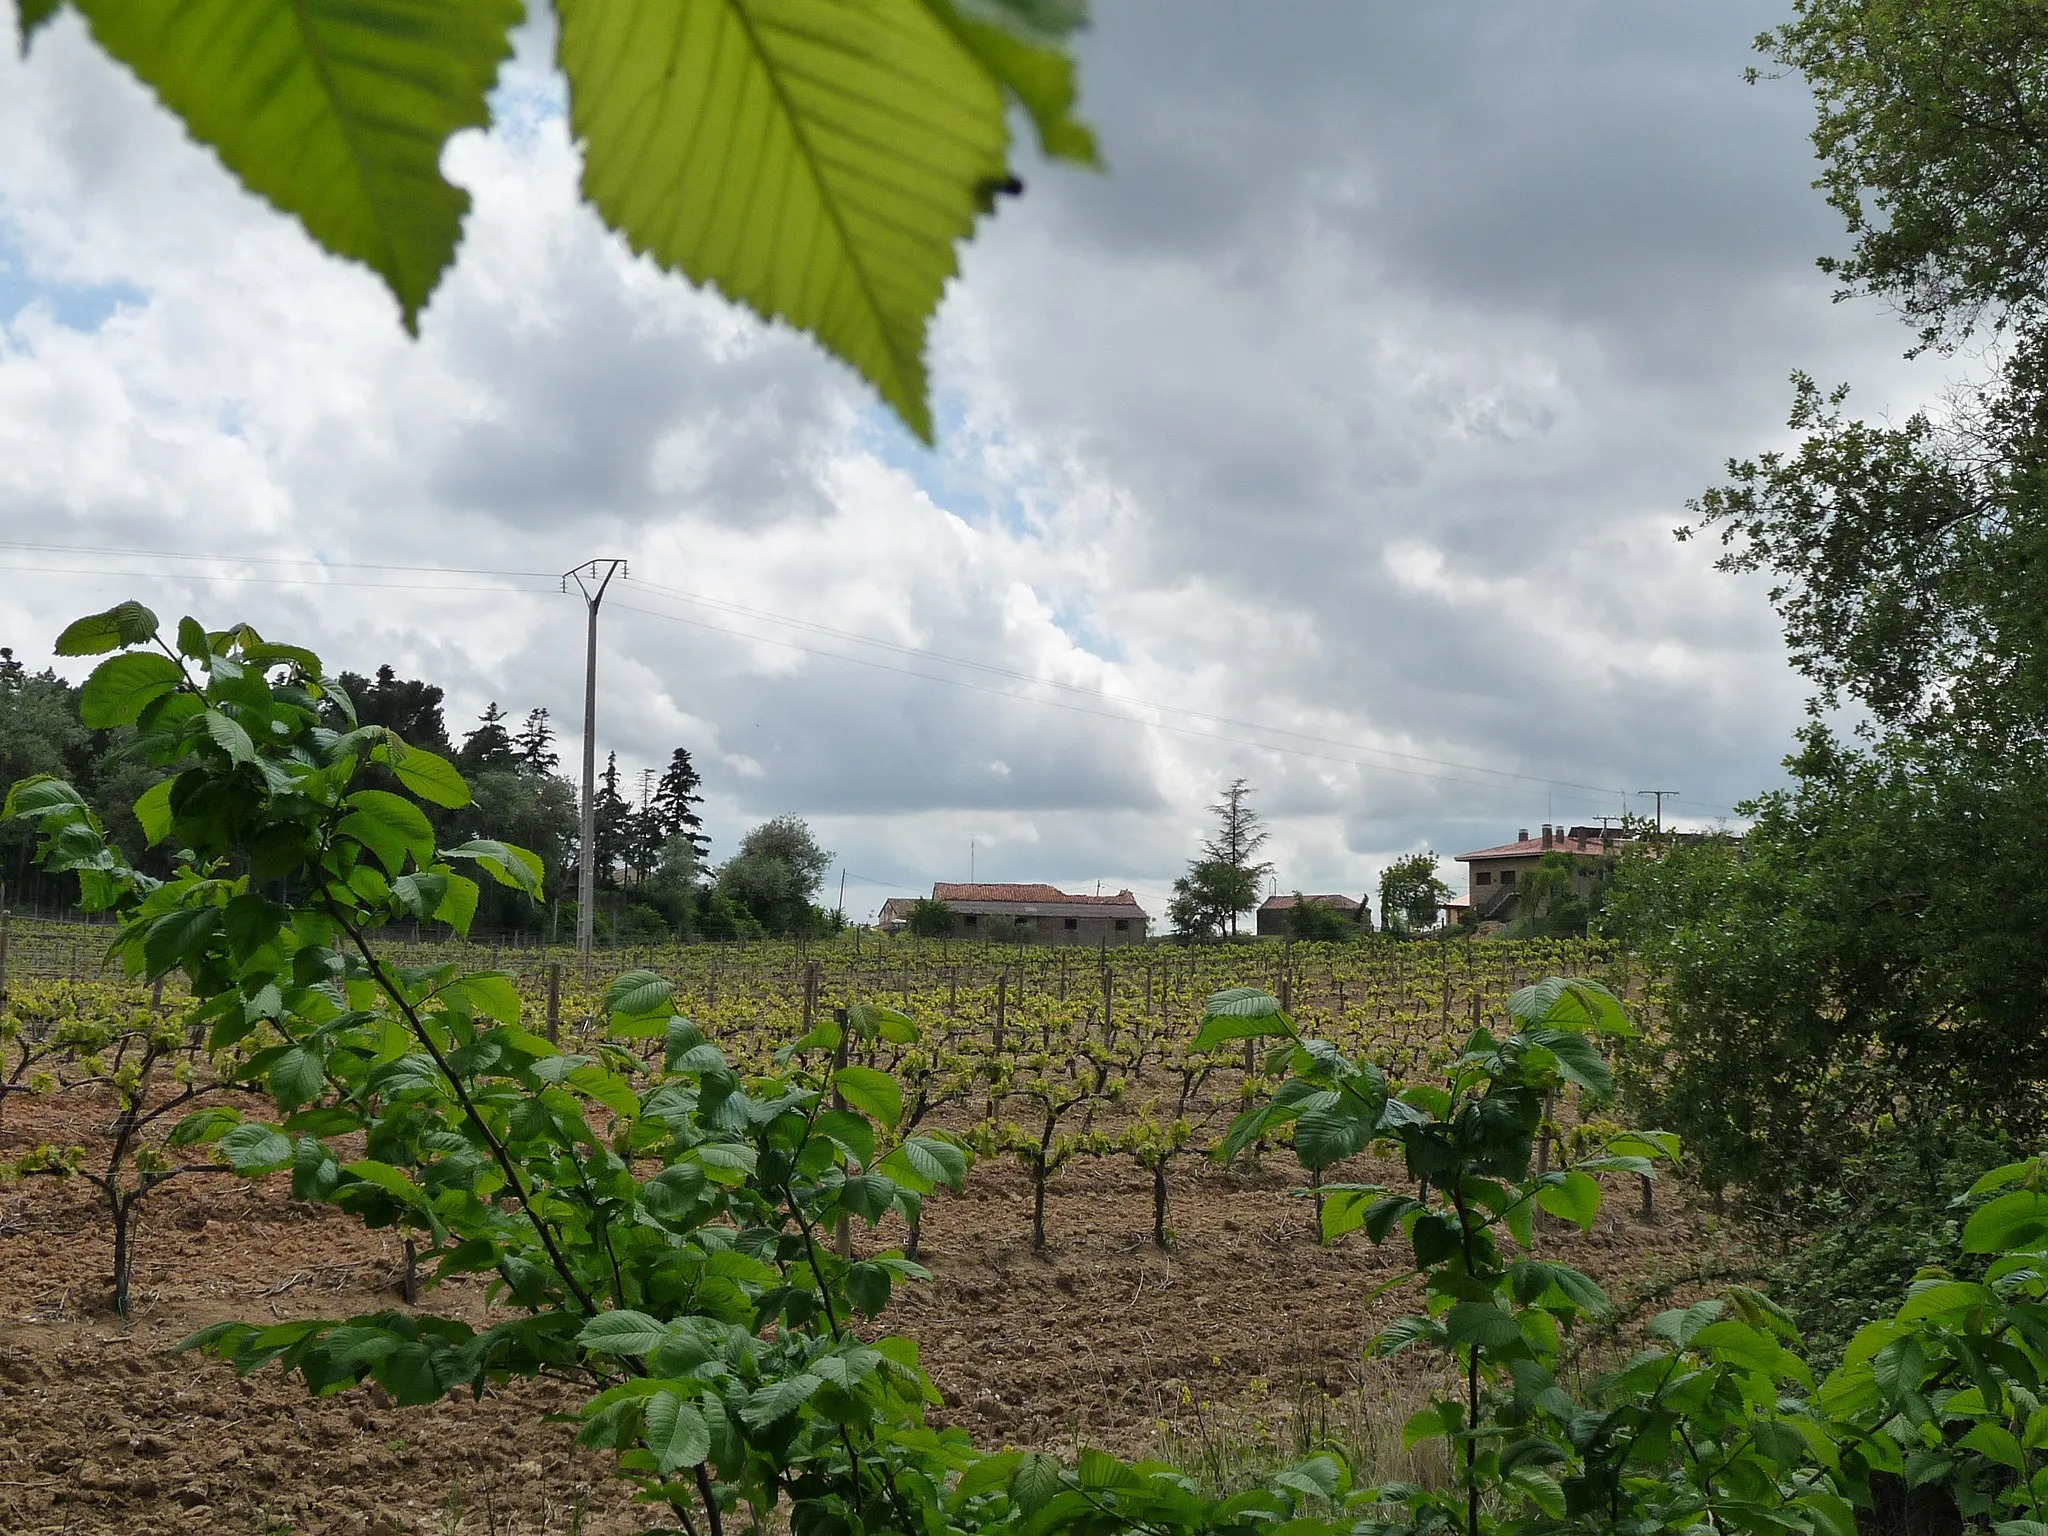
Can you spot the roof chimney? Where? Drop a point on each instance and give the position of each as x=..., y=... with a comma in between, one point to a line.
x=1521, y=834
x=1546, y=837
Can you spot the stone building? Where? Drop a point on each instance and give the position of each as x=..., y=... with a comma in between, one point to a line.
x=1497, y=873
x=1274, y=909
x=1038, y=914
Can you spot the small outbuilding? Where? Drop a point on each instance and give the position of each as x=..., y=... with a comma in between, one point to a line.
x=1273, y=911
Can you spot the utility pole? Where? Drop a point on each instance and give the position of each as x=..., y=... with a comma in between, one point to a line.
x=591, y=583
x=1661, y=796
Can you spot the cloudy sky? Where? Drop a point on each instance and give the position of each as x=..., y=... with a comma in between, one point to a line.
x=1333, y=439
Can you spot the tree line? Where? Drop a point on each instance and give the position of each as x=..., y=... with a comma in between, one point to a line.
x=654, y=874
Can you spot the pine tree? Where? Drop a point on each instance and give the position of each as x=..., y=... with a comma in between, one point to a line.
x=488, y=748
x=1239, y=835
x=535, y=744
x=675, y=800
x=613, y=814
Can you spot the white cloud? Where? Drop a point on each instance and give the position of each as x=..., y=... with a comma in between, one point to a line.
x=1356, y=401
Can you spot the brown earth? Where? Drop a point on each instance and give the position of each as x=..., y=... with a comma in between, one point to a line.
x=1104, y=1339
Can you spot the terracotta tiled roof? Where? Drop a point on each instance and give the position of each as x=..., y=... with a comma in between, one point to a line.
x=1284, y=903
x=1532, y=847
x=949, y=891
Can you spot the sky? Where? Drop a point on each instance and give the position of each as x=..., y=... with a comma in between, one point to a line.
x=1333, y=438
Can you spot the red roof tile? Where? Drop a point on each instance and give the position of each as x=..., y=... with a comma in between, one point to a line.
x=1532, y=848
x=1284, y=903
x=949, y=891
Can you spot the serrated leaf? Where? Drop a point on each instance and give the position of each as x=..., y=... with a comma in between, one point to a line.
x=390, y=826
x=1562, y=1002
x=334, y=111
x=637, y=992
x=1036, y=1480
x=676, y=1433
x=871, y=1092
x=621, y=1333
x=296, y=1078
x=779, y=1399
x=816, y=163
x=125, y=623
x=255, y=1149
x=509, y=866
x=121, y=687
x=228, y=735
x=153, y=811
x=1573, y=1196
x=430, y=776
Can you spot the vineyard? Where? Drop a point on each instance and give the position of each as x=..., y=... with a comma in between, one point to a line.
x=1093, y=1206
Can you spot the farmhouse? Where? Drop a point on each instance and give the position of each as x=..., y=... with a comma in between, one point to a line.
x=1042, y=914
x=1496, y=873
x=1273, y=911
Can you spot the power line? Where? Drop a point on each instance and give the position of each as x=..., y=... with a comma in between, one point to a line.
x=322, y=564
x=1099, y=714
x=1101, y=693
x=1514, y=779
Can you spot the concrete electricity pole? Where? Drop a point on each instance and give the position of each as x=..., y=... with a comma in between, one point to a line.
x=1661, y=796
x=591, y=583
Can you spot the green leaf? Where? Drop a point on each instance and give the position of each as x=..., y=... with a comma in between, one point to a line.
x=637, y=992
x=1038, y=1477
x=1481, y=1323
x=296, y=1078
x=871, y=1021
x=254, y=1149
x=873, y=1093
x=458, y=904
x=1039, y=76
x=2015, y=1221
x=779, y=1399
x=121, y=687
x=1996, y=1443
x=1574, y=1196
x=1240, y=1013
x=228, y=735
x=390, y=826
x=509, y=866
x=814, y=162
x=430, y=776
x=1944, y=1296
x=153, y=810
x=334, y=111
x=125, y=623
x=676, y=1433
x=1564, y=1003
x=1424, y=1424
x=621, y=1333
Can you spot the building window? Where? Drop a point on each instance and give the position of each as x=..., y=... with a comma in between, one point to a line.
x=972, y=919
x=1123, y=925
x=1484, y=877
x=1507, y=877
x=1073, y=923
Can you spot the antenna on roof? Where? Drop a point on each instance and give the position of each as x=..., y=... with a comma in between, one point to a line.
x=970, y=861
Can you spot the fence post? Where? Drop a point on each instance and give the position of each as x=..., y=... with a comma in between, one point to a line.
x=1002, y=999
x=3, y=956
x=554, y=1002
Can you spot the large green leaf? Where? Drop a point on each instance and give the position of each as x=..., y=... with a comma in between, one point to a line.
x=336, y=111
x=816, y=160
x=121, y=687
x=123, y=624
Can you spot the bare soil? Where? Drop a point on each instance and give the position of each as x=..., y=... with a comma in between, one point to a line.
x=1102, y=1339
